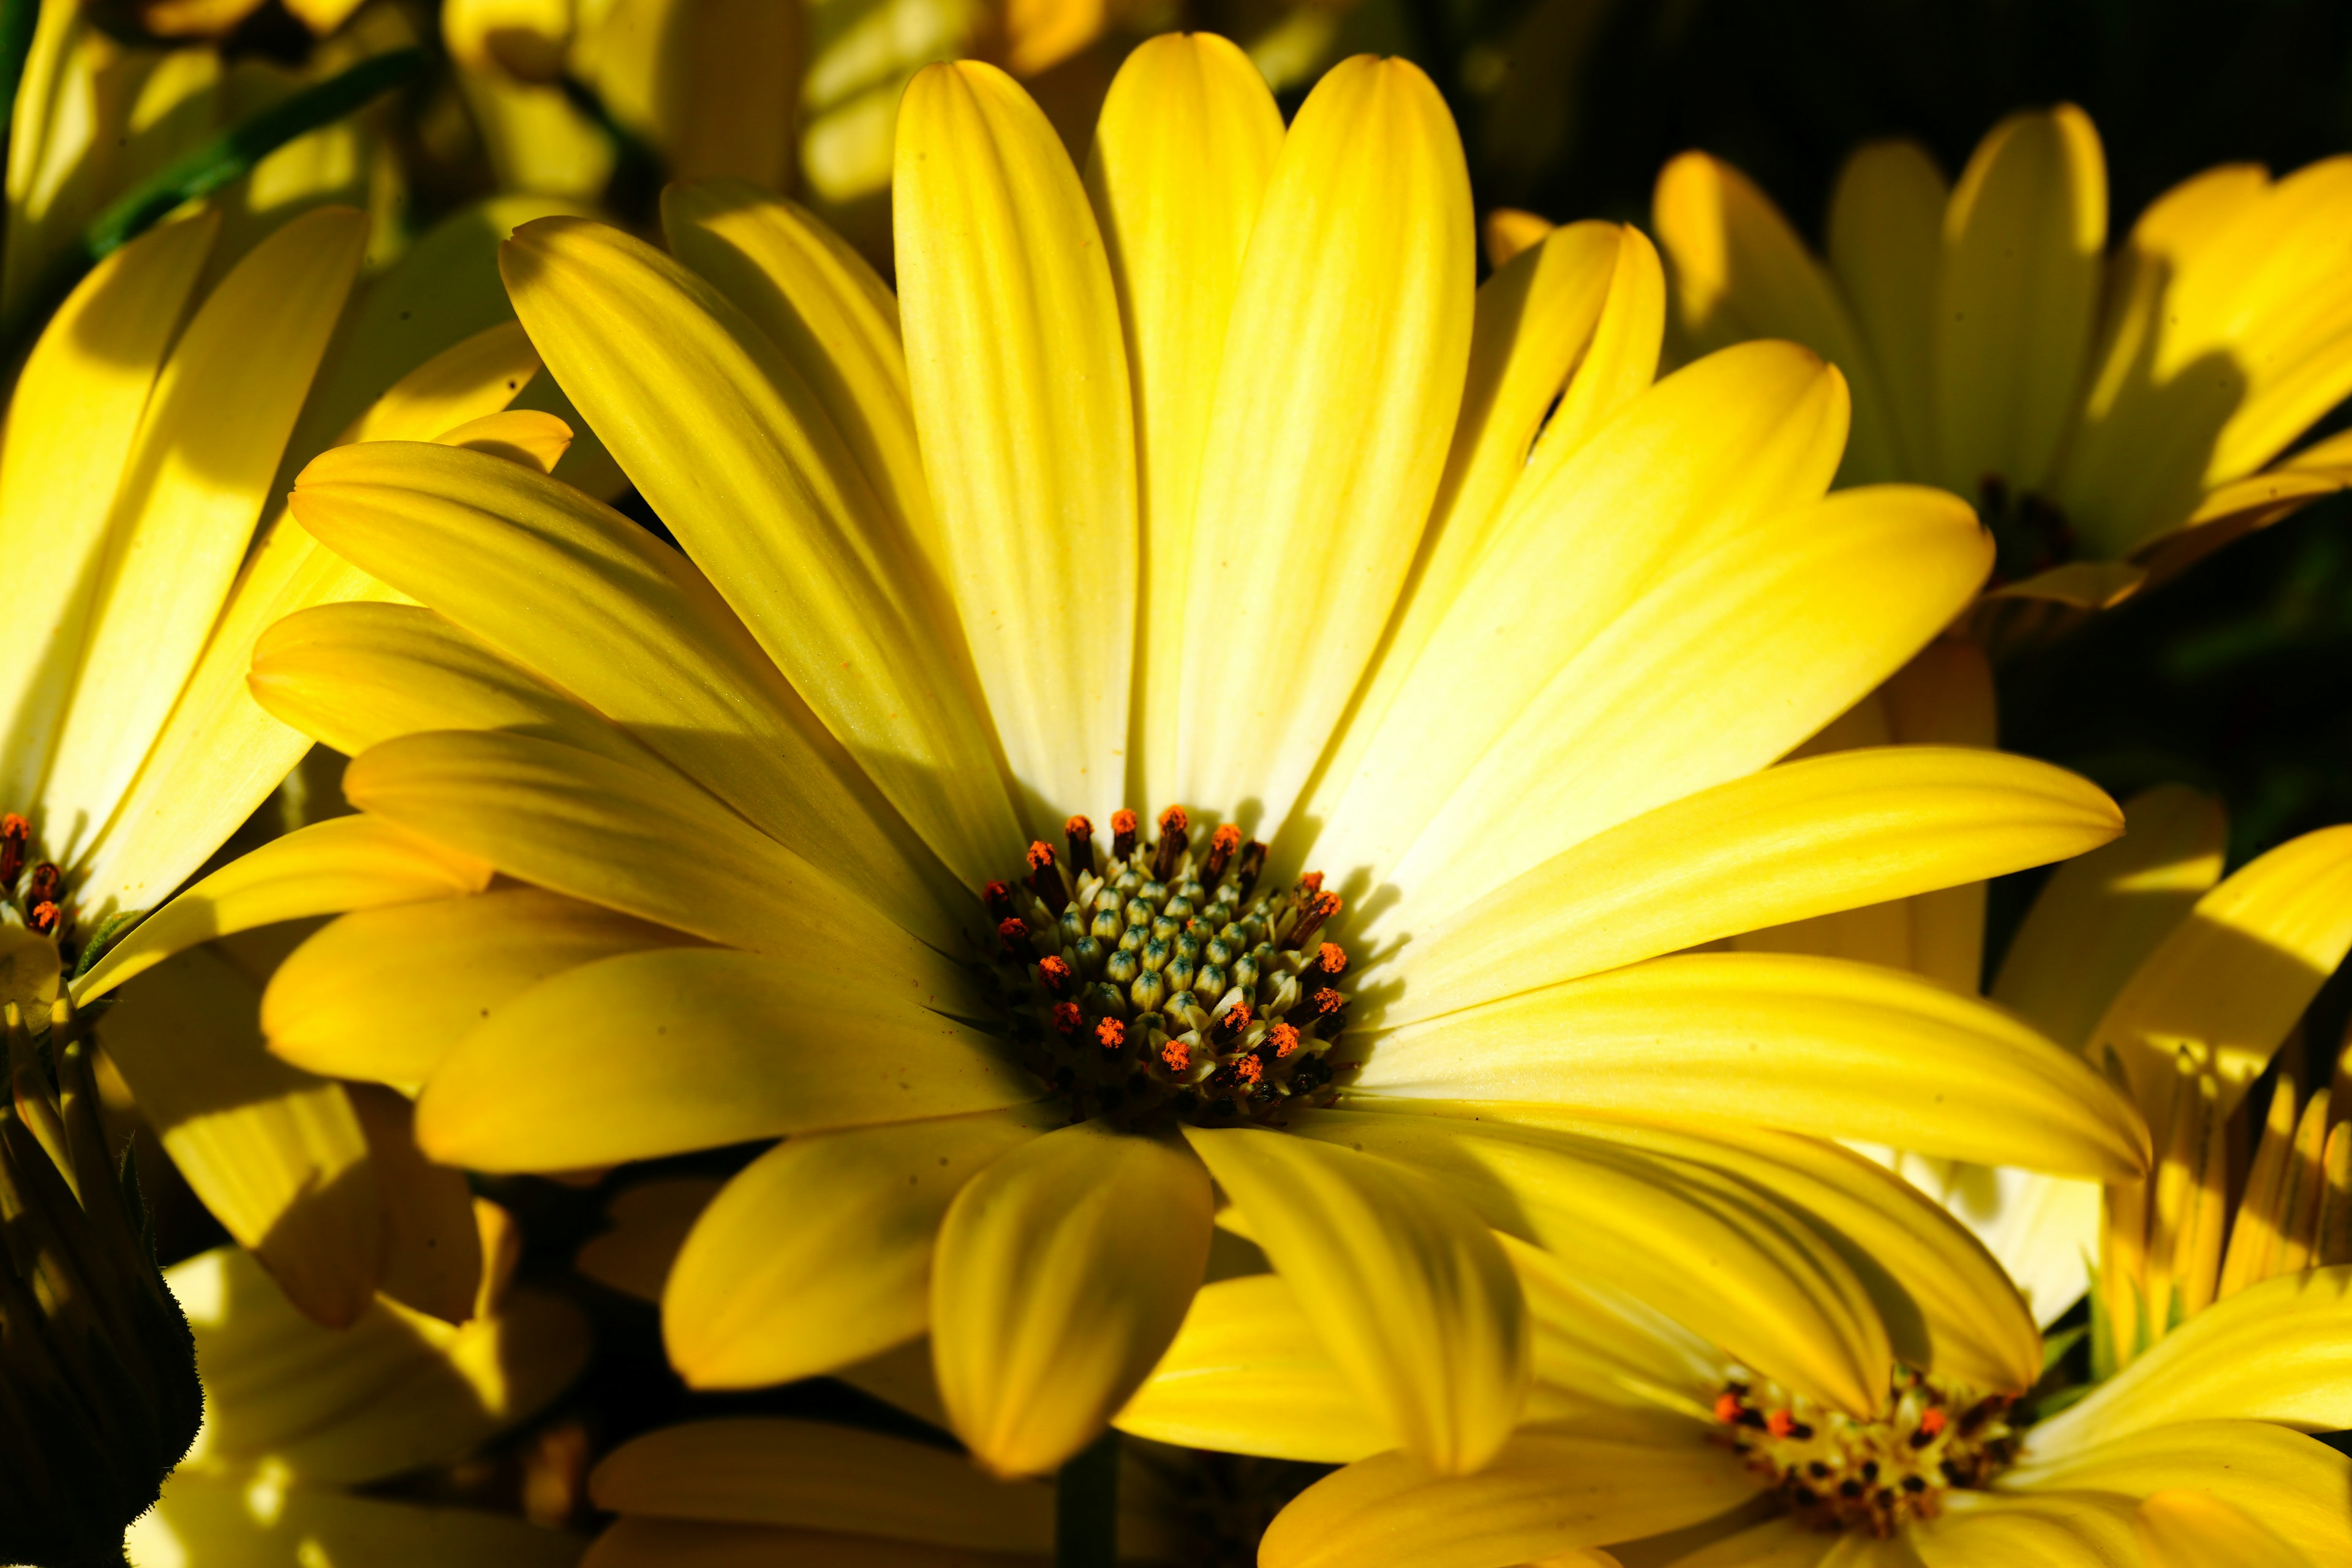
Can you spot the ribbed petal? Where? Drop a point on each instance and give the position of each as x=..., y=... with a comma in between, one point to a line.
x=2015, y=296
x=2186, y=1529
x=1417, y=1303
x=1062, y=1273
x=2294, y=1484
x=818, y=1253
x=347, y=1003
x=1886, y=243
x=1182, y=154
x=1343, y=376
x=1777, y=1542
x=658, y=1052
x=343, y=863
x=1550, y=1490
x=643, y=638
x=2030, y=1531
x=1021, y=396
x=731, y=445
x=1829, y=832
x=1816, y=1044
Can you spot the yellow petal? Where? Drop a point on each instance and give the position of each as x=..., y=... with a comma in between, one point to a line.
x=277, y=1155
x=1829, y=832
x=432, y=1245
x=1705, y=452
x=740, y=458
x=244, y=1521
x=643, y=639
x=636, y=1542
x=2295, y=1485
x=2029, y=1531
x=817, y=1476
x=1510, y=232
x=818, y=1253
x=2015, y=295
x=1777, y=1542
x=1618, y=366
x=1885, y=242
x=2280, y=1350
x=523, y=435
x=1816, y=1044
x=2186, y=1529
x=1062, y=1273
x=1346, y=349
x=677, y=1049
x=347, y=1003
x=2228, y=982
x=193, y=489
x=1182, y=154
x=1020, y=386
x=343, y=863
x=650, y=1224
x=1724, y=1262
x=1741, y=272
x=72, y=419
x=1549, y=1491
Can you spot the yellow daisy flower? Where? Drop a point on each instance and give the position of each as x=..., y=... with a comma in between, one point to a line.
x=2112, y=416
x=1217, y=487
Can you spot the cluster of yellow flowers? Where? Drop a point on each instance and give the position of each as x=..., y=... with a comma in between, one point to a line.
x=1341, y=905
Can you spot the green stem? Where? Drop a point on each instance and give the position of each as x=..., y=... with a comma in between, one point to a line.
x=1085, y=1507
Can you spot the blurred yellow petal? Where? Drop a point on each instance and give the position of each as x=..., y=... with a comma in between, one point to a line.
x=1342, y=376
x=2028, y=1531
x=818, y=1253
x=1777, y=1542
x=817, y=1476
x=1062, y=1273
x=1828, y=833
x=1886, y=243
x=636, y=1542
x=1549, y=1491
x=207, y=1521
x=343, y=863
x=649, y=1223
x=1510, y=232
x=347, y=1002
x=737, y=453
x=2185, y=1529
x=1185, y=147
x=1020, y=386
x=1817, y=1045
x=2015, y=296
x=1415, y=1299
x=675, y=1048
x=2295, y=1485
x=712, y=83
x=431, y=1243
x=2098, y=917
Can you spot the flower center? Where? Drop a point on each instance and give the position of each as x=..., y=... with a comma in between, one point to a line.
x=36, y=897
x=1158, y=984
x=1838, y=1473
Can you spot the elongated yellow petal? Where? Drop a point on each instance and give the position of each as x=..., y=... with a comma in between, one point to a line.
x=1741, y=272
x=1183, y=150
x=193, y=489
x=817, y=1476
x=1732, y=1268
x=1750, y=431
x=1418, y=1304
x=1342, y=376
x=431, y=1242
x=2295, y=1485
x=2035, y=1531
x=1020, y=385
x=1886, y=243
x=2229, y=981
x=1062, y=1273
x=818, y=1254
x=209, y=1520
x=347, y=1003
x=658, y=1052
x=2015, y=296
x=739, y=456
x=643, y=639
x=343, y=863
x=1618, y=366
x=2182, y=1528
x=71, y=422
x=2098, y=917
x=1550, y=1490
x=2280, y=1350
x=277, y=1155
x=1777, y=1542
x=1817, y=1045
x=1829, y=832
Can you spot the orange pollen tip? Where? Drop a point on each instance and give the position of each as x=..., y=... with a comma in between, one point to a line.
x=1331, y=958
x=1312, y=881
x=1111, y=1034
x=1122, y=822
x=14, y=826
x=1284, y=1039
x=1228, y=838
x=45, y=917
x=1237, y=1017
x=1249, y=1068
x=1173, y=820
x=1177, y=1054
x=1728, y=1408
x=1056, y=972
x=1065, y=1018
x=1933, y=1422
x=1323, y=906
x=1040, y=855
x=1326, y=1001
x=1779, y=1423
x=1078, y=825
x=1013, y=928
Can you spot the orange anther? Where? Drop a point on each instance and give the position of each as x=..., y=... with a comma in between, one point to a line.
x=1067, y=1018
x=1013, y=930
x=1284, y=1038
x=45, y=917
x=1331, y=958
x=1078, y=825
x=1040, y=855
x=1779, y=1423
x=1933, y=1421
x=998, y=896
x=1122, y=821
x=1054, y=972
x=1327, y=1001
x=1111, y=1034
x=1178, y=1056
x=1173, y=820
x=1728, y=1408
x=1249, y=1068
x=1312, y=881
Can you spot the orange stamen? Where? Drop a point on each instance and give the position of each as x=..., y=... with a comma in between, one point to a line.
x=1111, y=1034
x=1178, y=1056
x=1079, y=833
x=1284, y=1038
x=1779, y=1423
x=1040, y=855
x=1223, y=842
x=45, y=917
x=998, y=896
x=1331, y=958
x=1055, y=974
x=1728, y=1409
x=1067, y=1018
x=1934, y=1421
x=1249, y=1068
x=1122, y=834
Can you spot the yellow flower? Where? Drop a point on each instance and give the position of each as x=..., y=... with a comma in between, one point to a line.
x=1653, y=1433
x=2112, y=416
x=296, y=1416
x=1131, y=517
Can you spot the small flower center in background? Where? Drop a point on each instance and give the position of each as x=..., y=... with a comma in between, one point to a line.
x=37, y=897
x=1159, y=985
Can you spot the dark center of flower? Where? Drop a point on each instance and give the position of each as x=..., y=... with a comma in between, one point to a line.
x=2029, y=534
x=1159, y=983
x=38, y=896
x=1838, y=1473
